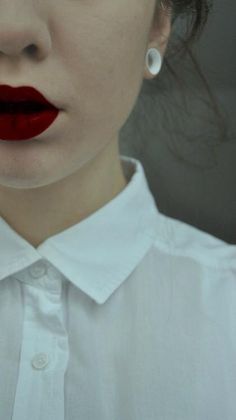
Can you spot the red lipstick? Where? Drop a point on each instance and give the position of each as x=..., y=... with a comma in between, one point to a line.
x=24, y=113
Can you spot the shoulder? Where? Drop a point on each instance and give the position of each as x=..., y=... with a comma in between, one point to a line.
x=177, y=238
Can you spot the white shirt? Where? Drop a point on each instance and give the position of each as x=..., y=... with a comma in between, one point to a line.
x=127, y=315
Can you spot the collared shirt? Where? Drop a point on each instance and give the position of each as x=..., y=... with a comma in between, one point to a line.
x=127, y=315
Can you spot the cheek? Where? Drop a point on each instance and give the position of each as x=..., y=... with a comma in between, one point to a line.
x=103, y=57
x=110, y=82
x=111, y=70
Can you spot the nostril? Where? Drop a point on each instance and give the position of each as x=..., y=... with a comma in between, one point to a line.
x=31, y=49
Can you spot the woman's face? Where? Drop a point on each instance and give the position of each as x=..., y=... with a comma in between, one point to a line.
x=89, y=59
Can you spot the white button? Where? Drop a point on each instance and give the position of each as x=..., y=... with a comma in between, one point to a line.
x=38, y=270
x=40, y=360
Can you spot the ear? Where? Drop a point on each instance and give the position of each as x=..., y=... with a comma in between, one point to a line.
x=161, y=28
x=160, y=31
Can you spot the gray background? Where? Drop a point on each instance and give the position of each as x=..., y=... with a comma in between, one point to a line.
x=198, y=185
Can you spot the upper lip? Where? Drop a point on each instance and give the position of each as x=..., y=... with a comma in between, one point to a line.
x=23, y=94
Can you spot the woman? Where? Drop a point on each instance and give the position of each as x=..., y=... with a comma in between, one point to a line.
x=108, y=308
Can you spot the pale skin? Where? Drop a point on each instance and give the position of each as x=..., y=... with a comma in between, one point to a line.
x=89, y=60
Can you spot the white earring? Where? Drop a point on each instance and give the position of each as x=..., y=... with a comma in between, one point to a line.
x=153, y=61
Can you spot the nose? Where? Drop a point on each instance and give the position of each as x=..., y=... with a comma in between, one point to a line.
x=22, y=33
x=14, y=43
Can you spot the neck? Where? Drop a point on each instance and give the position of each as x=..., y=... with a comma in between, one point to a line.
x=38, y=213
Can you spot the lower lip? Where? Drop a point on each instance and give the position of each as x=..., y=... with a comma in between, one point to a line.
x=20, y=126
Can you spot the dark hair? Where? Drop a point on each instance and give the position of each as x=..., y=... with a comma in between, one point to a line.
x=195, y=14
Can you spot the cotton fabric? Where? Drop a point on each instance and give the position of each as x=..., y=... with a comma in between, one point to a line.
x=127, y=315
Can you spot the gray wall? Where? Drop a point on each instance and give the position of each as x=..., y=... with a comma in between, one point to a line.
x=191, y=173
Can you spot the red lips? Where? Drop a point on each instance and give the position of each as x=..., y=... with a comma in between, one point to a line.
x=15, y=123
x=22, y=94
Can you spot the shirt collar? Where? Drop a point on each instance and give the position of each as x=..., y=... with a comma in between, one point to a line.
x=101, y=251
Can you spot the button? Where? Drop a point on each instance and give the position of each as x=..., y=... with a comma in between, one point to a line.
x=38, y=270
x=40, y=360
